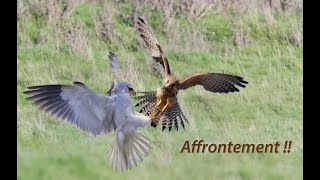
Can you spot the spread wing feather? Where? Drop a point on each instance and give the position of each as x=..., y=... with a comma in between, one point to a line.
x=147, y=101
x=76, y=104
x=214, y=82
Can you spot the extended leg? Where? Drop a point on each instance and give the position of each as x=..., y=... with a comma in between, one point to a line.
x=159, y=102
x=165, y=107
x=170, y=103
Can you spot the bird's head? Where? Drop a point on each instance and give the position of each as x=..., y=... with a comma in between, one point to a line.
x=171, y=83
x=123, y=87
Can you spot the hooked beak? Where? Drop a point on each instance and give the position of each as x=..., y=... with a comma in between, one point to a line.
x=132, y=92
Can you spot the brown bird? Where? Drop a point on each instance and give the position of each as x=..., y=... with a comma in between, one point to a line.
x=163, y=104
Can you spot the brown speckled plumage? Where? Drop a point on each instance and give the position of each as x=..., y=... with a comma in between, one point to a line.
x=163, y=104
x=147, y=102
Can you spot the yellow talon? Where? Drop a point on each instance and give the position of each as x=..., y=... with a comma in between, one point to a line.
x=165, y=107
x=159, y=102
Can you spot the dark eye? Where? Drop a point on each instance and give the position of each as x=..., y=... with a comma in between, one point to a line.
x=130, y=89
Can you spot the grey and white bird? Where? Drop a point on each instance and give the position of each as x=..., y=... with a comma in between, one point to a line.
x=96, y=114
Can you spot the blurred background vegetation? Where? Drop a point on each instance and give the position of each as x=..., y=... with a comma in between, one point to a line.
x=61, y=41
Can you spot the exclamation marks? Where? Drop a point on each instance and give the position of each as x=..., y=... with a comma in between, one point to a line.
x=287, y=146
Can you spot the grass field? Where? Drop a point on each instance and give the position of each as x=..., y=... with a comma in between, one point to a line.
x=66, y=41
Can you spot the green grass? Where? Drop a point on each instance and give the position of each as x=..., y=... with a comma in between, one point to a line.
x=268, y=110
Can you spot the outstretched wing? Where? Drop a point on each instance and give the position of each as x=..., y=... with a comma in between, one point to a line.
x=147, y=101
x=152, y=44
x=214, y=82
x=173, y=115
x=114, y=68
x=77, y=104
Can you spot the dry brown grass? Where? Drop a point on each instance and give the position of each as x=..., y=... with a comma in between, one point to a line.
x=52, y=17
x=241, y=36
x=76, y=38
x=244, y=6
x=54, y=11
x=192, y=38
x=103, y=22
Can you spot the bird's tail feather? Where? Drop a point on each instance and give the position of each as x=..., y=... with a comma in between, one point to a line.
x=127, y=155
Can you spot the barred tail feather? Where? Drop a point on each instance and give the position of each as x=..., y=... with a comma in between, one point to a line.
x=126, y=155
